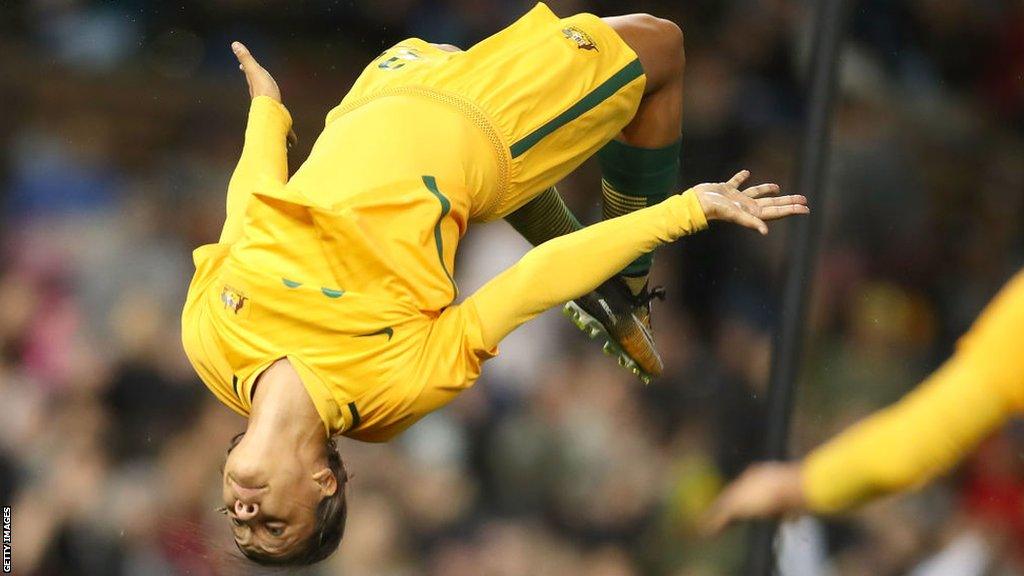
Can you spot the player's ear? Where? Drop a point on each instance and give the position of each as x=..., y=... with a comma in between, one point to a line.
x=327, y=481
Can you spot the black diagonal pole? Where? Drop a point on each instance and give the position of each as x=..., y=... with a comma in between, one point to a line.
x=803, y=248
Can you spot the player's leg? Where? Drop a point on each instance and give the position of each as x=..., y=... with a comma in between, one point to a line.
x=544, y=217
x=641, y=165
x=639, y=168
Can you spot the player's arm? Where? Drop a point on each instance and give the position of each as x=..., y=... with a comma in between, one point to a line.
x=267, y=133
x=911, y=442
x=572, y=265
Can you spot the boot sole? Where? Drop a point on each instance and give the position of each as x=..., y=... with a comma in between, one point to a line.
x=592, y=328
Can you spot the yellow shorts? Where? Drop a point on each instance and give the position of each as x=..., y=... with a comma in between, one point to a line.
x=547, y=92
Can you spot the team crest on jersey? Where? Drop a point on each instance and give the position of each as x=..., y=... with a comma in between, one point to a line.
x=233, y=299
x=582, y=39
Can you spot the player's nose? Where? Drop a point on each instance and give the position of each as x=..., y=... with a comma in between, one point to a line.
x=246, y=511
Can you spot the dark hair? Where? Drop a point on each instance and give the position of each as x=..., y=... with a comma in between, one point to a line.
x=331, y=513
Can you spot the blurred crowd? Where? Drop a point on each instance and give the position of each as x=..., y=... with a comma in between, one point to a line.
x=122, y=122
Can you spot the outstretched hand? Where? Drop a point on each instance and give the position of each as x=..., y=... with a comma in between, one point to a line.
x=750, y=207
x=763, y=491
x=260, y=82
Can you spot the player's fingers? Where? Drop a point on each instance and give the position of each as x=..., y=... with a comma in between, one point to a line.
x=776, y=212
x=740, y=177
x=782, y=200
x=725, y=510
x=245, y=58
x=761, y=190
x=744, y=218
x=717, y=518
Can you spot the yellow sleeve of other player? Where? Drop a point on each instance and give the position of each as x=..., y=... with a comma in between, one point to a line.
x=264, y=155
x=572, y=265
x=931, y=429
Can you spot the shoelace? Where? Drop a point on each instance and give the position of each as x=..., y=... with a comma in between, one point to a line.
x=644, y=299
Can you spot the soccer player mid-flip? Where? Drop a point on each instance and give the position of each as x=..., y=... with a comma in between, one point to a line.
x=327, y=307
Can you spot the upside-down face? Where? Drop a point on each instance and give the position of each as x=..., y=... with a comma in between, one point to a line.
x=272, y=502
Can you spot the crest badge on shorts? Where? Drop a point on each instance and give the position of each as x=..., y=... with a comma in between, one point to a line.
x=582, y=39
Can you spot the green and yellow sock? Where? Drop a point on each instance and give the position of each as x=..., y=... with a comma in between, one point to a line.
x=543, y=218
x=633, y=178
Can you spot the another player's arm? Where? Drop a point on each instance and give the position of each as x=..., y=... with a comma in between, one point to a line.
x=572, y=265
x=908, y=444
x=267, y=133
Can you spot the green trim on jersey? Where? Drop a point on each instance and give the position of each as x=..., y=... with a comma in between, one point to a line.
x=446, y=207
x=620, y=79
x=332, y=293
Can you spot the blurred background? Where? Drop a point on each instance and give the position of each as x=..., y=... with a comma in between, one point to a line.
x=121, y=124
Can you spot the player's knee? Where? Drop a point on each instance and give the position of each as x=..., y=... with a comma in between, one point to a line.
x=661, y=42
x=670, y=40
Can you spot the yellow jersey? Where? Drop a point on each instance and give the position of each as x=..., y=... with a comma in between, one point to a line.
x=354, y=291
x=357, y=294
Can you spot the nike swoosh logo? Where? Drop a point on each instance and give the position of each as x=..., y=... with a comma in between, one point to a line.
x=383, y=331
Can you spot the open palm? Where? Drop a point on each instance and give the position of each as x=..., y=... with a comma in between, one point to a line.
x=750, y=207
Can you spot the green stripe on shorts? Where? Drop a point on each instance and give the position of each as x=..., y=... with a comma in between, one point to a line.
x=631, y=72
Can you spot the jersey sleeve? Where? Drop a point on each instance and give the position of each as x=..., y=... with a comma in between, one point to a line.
x=572, y=265
x=453, y=356
x=931, y=429
x=264, y=155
